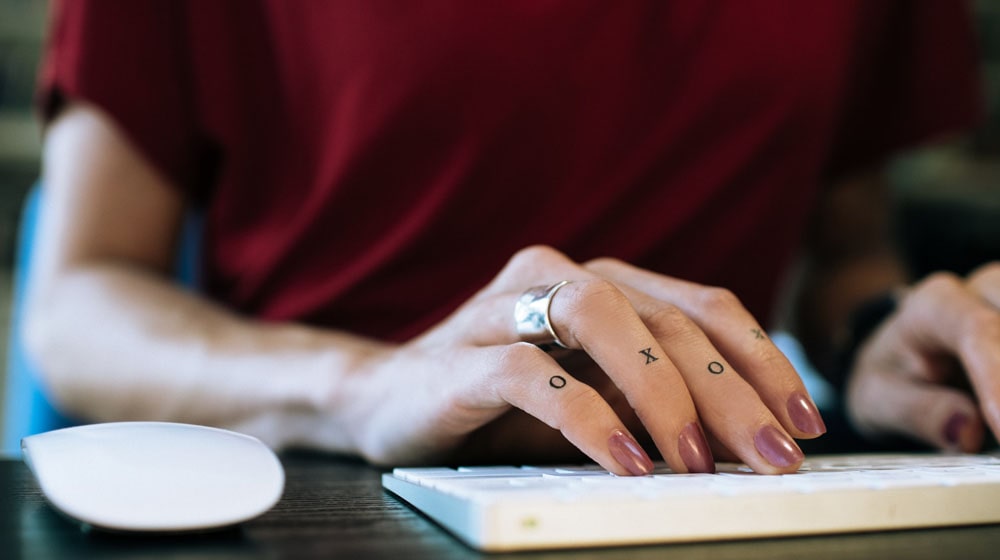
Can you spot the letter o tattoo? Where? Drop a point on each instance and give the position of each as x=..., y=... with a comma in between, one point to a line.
x=557, y=382
x=715, y=368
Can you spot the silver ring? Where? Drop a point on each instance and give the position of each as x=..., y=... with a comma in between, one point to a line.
x=531, y=315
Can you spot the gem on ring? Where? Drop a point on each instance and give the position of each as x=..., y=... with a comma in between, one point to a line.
x=531, y=315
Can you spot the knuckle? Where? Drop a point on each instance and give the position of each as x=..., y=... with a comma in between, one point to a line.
x=595, y=292
x=668, y=322
x=716, y=300
x=534, y=256
x=520, y=357
x=527, y=263
x=940, y=282
x=603, y=264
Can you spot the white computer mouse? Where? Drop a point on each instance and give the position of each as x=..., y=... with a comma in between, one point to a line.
x=154, y=476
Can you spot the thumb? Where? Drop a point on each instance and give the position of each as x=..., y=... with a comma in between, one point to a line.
x=880, y=402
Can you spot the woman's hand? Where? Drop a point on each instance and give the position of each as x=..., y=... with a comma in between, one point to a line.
x=652, y=354
x=689, y=360
x=912, y=377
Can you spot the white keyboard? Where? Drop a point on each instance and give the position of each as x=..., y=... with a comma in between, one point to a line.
x=515, y=508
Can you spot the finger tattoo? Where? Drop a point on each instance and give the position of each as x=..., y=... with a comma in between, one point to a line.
x=716, y=368
x=758, y=334
x=557, y=382
x=648, y=352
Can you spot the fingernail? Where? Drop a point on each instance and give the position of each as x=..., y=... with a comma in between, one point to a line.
x=629, y=454
x=776, y=447
x=953, y=428
x=804, y=414
x=694, y=450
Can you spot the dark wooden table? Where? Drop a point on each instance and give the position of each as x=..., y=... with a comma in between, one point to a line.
x=335, y=508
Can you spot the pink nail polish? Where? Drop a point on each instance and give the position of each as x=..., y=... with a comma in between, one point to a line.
x=776, y=447
x=953, y=428
x=804, y=414
x=694, y=449
x=629, y=454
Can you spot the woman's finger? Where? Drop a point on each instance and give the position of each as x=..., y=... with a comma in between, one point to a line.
x=529, y=379
x=882, y=400
x=943, y=316
x=593, y=315
x=729, y=407
x=732, y=330
x=985, y=281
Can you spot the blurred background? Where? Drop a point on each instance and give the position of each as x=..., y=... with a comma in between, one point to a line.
x=949, y=195
x=22, y=28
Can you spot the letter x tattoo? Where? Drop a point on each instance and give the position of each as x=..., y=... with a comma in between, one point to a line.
x=758, y=334
x=648, y=352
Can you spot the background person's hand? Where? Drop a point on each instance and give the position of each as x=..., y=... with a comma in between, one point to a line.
x=912, y=377
x=689, y=360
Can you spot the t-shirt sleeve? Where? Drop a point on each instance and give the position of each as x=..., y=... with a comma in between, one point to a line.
x=129, y=59
x=914, y=78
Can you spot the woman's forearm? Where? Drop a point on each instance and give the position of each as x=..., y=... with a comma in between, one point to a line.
x=116, y=339
x=115, y=342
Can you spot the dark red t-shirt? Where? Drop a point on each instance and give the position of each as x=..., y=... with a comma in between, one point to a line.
x=369, y=164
